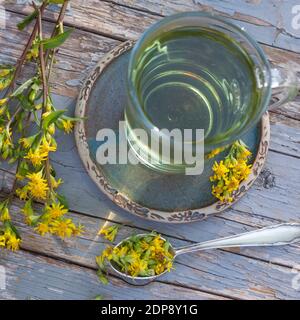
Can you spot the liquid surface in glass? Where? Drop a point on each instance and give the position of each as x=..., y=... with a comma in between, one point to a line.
x=200, y=78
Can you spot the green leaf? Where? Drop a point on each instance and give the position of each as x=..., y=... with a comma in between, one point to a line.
x=52, y=117
x=34, y=219
x=28, y=208
x=36, y=141
x=36, y=118
x=74, y=118
x=62, y=199
x=25, y=22
x=13, y=228
x=24, y=102
x=57, y=1
x=99, y=297
x=23, y=87
x=102, y=277
x=3, y=205
x=56, y=41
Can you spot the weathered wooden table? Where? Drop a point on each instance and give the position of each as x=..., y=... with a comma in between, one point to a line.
x=47, y=268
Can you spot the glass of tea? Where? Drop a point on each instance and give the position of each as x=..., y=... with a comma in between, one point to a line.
x=197, y=70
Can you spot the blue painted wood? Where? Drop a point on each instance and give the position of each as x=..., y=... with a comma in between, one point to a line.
x=230, y=273
x=31, y=276
x=270, y=22
x=245, y=273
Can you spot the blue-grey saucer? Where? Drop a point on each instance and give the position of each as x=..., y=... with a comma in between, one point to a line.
x=136, y=188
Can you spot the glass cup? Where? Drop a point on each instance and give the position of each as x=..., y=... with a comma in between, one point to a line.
x=196, y=70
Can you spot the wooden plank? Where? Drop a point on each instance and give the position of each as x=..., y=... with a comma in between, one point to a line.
x=29, y=276
x=70, y=167
x=84, y=250
x=99, y=18
x=75, y=58
x=127, y=18
x=285, y=139
x=210, y=272
x=267, y=21
x=276, y=199
x=83, y=50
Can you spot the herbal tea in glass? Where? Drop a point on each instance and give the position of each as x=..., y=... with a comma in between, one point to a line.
x=196, y=71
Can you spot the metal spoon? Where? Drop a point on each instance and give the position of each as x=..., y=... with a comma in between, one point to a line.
x=277, y=235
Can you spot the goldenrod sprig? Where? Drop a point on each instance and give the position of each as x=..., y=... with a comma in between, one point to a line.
x=230, y=172
x=138, y=256
x=31, y=148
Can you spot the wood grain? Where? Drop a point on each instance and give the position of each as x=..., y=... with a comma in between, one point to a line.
x=50, y=268
x=34, y=277
x=268, y=22
x=84, y=49
x=220, y=272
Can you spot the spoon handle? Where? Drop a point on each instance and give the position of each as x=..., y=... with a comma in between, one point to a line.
x=276, y=235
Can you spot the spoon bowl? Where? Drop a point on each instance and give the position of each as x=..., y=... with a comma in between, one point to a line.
x=276, y=235
x=138, y=281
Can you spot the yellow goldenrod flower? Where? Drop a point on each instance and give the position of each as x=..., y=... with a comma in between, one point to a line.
x=55, y=183
x=37, y=186
x=27, y=142
x=36, y=157
x=42, y=228
x=2, y=111
x=144, y=245
x=33, y=53
x=245, y=154
x=4, y=72
x=215, y=152
x=7, y=142
x=38, y=106
x=228, y=174
x=232, y=184
x=5, y=216
x=3, y=101
x=4, y=84
x=12, y=242
x=2, y=241
x=242, y=170
x=220, y=169
x=67, y=125
x=63, y=228
x=109, y=233
x=138, y=267
x=139, y=256
x=56, y=210
x=107, y=253
x=160, y=268
x=78, y=230
x=22, y=193
x=19, y=176
x=46, y=147
x=51, y=129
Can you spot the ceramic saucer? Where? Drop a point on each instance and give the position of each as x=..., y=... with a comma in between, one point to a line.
x=136, y=188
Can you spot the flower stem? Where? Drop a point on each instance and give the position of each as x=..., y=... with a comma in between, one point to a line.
x=22, y=59
x=45, y=89
x=14, y=186
x=51, y=53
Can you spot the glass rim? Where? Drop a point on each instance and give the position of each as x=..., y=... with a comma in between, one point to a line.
x=214, y=17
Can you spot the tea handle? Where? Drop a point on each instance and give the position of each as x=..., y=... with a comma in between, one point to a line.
x=285, y=83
